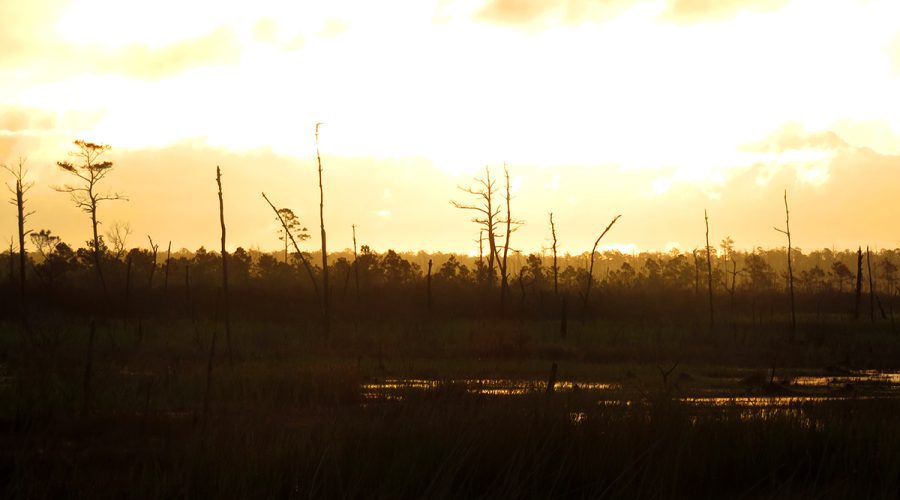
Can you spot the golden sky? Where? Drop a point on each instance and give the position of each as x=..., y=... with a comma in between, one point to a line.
x=655, y=109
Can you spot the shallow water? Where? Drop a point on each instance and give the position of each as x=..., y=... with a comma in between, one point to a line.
x=806, y=388
x=395, y=388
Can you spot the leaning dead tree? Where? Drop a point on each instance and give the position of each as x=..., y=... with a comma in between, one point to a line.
x=487, y=214
x=709, y=276
x=325, y=307
x=89, y=171
x=590, y=276
x=787, y=232
x=304, y=259
x=18, y=190
x=224, y=268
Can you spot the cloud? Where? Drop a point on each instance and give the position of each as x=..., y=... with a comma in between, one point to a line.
x=795, y=138
x=706, y=10
x=218, y=47
x=56, y=59
x=19, y=119
x=523, y=12
x=519, y=12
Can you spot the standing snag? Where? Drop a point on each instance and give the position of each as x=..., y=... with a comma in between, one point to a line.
x=488, y=216
x=224, y=268
x=325, y=308
x=709, y=276
x=511, y=226
x=89, y=171
x=590, y=276
x=21, y=187
x=555, y=262
x=787, y=232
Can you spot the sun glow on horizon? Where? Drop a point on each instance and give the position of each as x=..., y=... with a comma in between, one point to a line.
x=570, y=95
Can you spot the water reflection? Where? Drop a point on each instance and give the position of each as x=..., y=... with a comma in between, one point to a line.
x=394, y=388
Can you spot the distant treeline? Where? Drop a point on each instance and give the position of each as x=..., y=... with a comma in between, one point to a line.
x=144, y=281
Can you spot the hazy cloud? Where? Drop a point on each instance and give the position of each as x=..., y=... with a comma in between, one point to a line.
x=218, y=47
x=20, y=119
x=530, y=11
x=57, y=58
x=573, y=11
x=795, y=138
x=703, y=10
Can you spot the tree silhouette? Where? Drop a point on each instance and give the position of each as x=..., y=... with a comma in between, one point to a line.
x=790, y=266
x=290, y=223
x=325, y=305
x=590, y=276
x=85, y=195
x=488, y=215
x=21, y=187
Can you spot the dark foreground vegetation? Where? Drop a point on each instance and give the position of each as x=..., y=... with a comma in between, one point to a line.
x=159, y=408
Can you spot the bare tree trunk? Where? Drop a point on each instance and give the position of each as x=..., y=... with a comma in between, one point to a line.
x=356, y=266
x=787, y=232
x=590, y=277
x=224, y=269
x=12, y=264
x=20, y=208
x=428, y=286
x=155, y=249
x=504, y=274
x=325, y=306
x=168, y=261
x=555, y=262
x=709, y=278
x=871, y=285
x=858, y=295
x=97, y=245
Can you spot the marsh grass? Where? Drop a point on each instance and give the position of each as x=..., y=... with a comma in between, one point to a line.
x=290, y=420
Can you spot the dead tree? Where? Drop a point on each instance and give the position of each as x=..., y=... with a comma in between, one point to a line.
x=21, y=187
x=301, y=255
x=709, y=277
x=555, y=262
x=356, y=266
x=117, y=238
x=155, y=248
x=12, y=262
x=428, y=287
x=511, y=226
x=787, y=232
x=590, y=276
x=325, y=307
x=871, y=285
x=89, y=171
x=858, y=295
x=224, y=269
x=488, y=215
x=168, y=261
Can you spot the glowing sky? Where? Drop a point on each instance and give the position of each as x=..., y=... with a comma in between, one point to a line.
x=654, y=109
